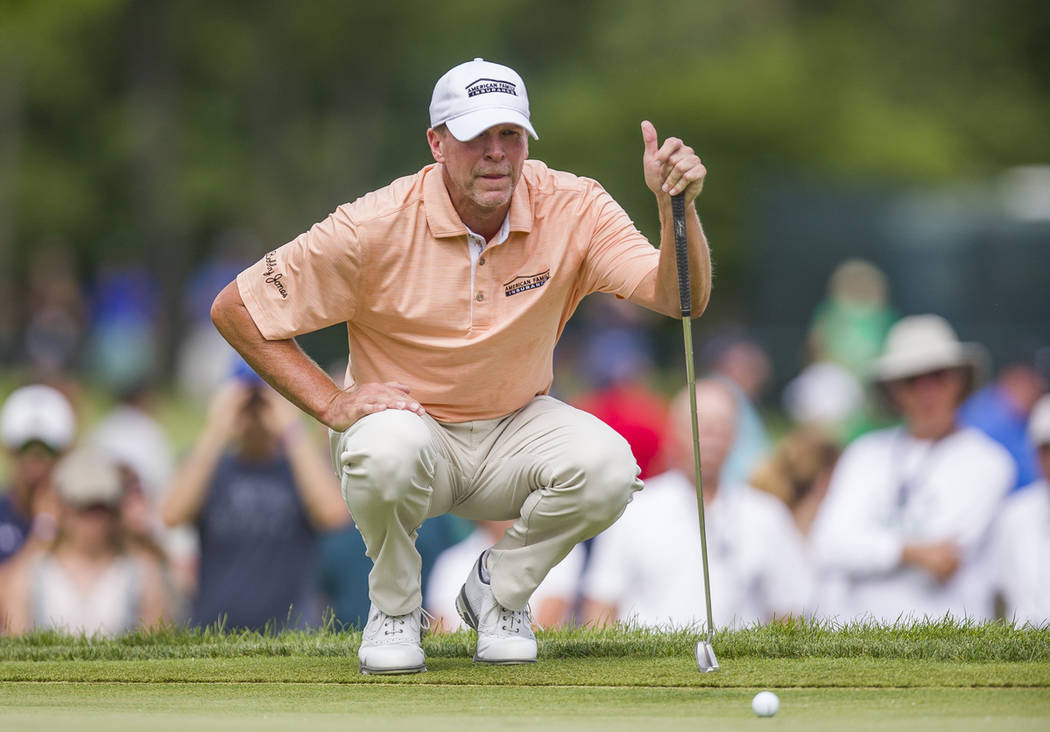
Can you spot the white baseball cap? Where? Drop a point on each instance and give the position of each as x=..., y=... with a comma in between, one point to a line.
x=85, y=477
x=1039, y=422
x=37, y=413
x=476, y=95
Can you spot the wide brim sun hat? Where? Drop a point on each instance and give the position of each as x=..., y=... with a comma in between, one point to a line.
x=922, y=344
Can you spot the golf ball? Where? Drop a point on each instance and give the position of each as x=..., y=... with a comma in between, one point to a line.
x=765, y=704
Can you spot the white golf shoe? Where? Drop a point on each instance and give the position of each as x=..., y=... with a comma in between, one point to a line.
x=390, y=644
x=504, y=636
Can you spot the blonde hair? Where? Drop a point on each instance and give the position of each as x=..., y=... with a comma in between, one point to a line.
x=799, y=459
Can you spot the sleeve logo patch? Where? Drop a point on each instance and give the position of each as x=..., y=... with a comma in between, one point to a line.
x=273, y=277
x=487, y=86
x=523, y=283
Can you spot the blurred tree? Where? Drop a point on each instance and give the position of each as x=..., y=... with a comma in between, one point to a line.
x=158, y=125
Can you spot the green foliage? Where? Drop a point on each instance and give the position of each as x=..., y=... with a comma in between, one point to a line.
x=281, y=112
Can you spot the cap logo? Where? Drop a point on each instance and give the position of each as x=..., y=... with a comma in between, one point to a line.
x=487, y=86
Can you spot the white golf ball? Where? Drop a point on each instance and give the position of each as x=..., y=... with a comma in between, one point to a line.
x=765, y=704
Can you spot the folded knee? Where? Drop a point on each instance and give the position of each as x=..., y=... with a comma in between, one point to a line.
x=609, y=477
x=386, y=456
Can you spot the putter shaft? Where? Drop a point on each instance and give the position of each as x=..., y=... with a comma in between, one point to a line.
x=690, y=377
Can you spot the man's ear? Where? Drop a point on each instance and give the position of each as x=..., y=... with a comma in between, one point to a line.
x=435, y=140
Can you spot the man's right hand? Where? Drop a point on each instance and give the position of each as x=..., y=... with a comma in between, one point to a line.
x=941, y=559
x=350, y=405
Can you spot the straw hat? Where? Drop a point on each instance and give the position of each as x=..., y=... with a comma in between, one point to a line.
x=920, y=344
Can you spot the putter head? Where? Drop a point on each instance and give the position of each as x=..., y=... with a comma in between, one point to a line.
x=705, y=657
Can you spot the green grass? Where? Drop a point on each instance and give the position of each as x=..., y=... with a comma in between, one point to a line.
x=933, y=676
x=942, y=641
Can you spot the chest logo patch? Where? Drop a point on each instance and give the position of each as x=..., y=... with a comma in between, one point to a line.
x=523, y=283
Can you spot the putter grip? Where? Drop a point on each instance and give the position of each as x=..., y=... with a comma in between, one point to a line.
x=681, y=250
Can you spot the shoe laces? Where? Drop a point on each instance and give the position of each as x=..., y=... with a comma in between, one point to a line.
x=395, y=624
x=514, y=621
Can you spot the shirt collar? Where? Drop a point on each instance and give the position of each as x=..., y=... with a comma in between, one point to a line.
x=443, y=219
x=501, y=235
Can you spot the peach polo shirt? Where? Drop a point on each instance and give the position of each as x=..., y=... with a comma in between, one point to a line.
x=471, y=340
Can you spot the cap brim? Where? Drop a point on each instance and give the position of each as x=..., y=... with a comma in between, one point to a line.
x=468, y=126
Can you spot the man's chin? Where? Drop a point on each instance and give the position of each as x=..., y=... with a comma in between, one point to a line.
x=492, y=199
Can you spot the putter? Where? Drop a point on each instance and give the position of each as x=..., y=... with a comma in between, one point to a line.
x=705, y=651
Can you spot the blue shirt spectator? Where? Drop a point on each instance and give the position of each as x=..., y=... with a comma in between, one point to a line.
x=1001, y=409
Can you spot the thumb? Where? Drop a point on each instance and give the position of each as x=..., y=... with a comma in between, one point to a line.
x=649, y=137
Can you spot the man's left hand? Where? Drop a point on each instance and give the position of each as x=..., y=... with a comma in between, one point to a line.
x=671, y=168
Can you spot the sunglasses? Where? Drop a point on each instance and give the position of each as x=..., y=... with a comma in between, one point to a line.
x=938, y=376
x=97, y=508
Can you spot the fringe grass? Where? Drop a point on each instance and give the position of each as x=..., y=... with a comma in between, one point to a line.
x=943, y=640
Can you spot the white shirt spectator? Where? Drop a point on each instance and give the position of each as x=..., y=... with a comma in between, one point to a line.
x=648, y=563
x=889, y=489
x=454, y=564
x=1022, y=555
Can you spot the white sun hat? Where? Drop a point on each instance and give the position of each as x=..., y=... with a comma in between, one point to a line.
x=85, y=477
x=476, y=95
x=1039, y=422
x=37, y=413
x=919, y=344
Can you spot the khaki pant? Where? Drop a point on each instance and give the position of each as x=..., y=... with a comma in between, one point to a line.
x=561, y=473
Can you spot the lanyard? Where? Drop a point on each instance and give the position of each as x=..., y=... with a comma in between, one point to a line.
x=906, y=484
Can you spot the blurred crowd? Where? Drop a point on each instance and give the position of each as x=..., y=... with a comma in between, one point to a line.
x=896, y=478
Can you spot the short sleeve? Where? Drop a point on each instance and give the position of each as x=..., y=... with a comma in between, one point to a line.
x=618, y=256
x=309, y=283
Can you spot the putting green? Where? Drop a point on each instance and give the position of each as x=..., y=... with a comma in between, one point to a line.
x=431, y=708
x=944, y=676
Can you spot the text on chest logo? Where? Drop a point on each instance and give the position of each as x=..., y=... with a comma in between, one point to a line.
x=523, y=283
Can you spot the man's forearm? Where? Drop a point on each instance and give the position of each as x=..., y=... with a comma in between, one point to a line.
x=699, y=260
x=659, y=290
x=282, y=363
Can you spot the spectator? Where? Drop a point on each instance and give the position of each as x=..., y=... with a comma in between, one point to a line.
x=744, y=366
x=646, y=568
x=136, y=443
x=122, y=348
x=799, y=472
x=1023, y=536
x=1001, y=411
x=617, y=362
x=908, y=508
x=850, y=326
x=87, y=582
x=829, y=396
x=259, y=491
x=203, y=356
x=55, y=317
x=552, y=602
x=37, y=425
